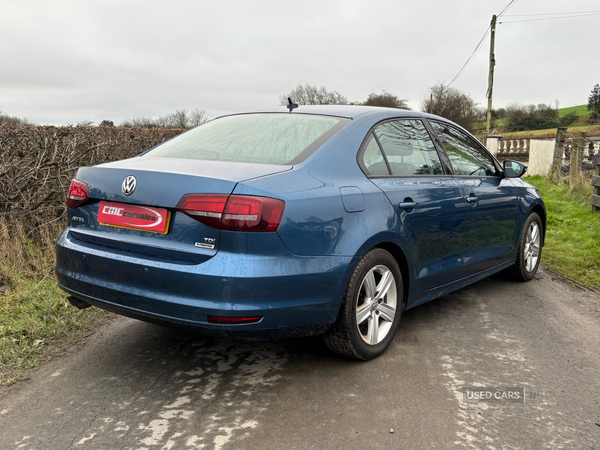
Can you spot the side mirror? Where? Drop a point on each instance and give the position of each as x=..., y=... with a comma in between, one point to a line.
x=514, y=169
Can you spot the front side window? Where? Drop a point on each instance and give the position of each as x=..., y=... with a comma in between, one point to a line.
x=408, y=148
x=466, y=156
x=253, y=138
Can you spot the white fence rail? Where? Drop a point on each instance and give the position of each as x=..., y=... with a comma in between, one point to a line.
x=539, y=153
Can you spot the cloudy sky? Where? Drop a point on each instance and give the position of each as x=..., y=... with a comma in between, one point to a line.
x=69, y=61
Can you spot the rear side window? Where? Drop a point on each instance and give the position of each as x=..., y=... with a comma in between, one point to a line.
x=408, y=148
x=253, y=138
x=373, y=159
x=466, y=156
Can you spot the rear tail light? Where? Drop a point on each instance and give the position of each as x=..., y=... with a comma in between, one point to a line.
x=207, y=209
x=78, y=193
x=223, y=320
x=234, y=212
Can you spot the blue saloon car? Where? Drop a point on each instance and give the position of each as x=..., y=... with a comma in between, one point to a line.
x=281, y=223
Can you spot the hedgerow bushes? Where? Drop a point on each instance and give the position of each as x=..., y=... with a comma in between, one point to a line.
x=37, y=163
x=36, y=166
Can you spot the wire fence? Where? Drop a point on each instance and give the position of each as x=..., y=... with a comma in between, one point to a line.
x=587, y=148
x=572, y=149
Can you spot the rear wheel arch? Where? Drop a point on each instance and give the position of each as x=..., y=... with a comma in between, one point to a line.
x=394, y=249
x=371, y=308
x=402, y=261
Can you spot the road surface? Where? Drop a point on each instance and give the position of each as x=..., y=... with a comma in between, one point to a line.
x=134, y=385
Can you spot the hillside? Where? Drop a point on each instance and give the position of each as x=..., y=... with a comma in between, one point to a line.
x=581, y=124
x=590, y=130
x=581, y=110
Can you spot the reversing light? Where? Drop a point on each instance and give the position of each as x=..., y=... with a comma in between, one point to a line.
x=77, y=194
x=234, y=212
x=207, y=209
x=223, y=320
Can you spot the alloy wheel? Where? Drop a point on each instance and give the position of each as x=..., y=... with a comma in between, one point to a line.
x=532, y=247
x=376, y=304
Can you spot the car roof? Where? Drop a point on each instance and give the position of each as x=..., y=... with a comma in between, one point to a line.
x=346, y=111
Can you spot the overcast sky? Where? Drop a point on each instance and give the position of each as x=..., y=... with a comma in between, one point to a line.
x=68, y=61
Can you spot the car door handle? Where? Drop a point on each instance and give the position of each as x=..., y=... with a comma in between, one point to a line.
x=408, y=205
x=472, y=199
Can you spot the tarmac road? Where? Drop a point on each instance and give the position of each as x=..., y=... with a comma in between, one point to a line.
x=134, y=385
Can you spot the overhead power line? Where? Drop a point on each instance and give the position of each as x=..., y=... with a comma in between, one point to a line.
x=553, y=18
x=470, y=57
x=550, y=14
x=563, y=15
x=506, y=8
x=502, y=11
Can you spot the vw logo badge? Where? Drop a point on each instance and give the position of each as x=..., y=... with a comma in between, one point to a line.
x=128, y=185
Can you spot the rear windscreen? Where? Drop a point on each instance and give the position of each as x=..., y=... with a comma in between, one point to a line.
x=253, y=138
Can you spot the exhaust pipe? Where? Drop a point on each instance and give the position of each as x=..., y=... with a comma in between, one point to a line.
x=79, y=304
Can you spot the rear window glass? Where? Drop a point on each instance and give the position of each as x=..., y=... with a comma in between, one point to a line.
x=253, y=138
x=373, y=159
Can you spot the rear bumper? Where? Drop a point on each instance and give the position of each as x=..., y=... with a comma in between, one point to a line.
x=295, y=295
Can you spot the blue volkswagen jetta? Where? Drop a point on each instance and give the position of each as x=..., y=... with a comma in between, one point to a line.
x=318, y=220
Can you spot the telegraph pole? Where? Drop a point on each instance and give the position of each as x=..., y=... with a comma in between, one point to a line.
x=491, y=77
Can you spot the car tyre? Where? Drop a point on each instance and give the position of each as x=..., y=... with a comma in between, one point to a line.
x=370, y=310
x=530, y=249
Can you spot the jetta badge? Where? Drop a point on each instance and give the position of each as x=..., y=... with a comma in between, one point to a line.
x=128, y=185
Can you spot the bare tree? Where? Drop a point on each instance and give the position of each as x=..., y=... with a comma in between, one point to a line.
x=313, y=95
x=450, y=103
x=165, y=121
x=11, y=120
x=197, y=117
x=178, y=119
x=142, y=122
x=386, y=100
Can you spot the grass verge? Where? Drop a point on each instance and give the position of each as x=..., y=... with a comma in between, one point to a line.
x=572, y=248
x=36, y=320
x=36, y=323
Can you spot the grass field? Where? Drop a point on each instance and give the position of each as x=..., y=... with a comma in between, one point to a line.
x=572, y=247
x=581, y=110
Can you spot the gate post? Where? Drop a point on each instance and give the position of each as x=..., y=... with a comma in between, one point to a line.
x=559, y=149
x=577, y=158
x=595, y=198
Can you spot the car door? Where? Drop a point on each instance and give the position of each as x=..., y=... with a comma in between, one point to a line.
x=490, y=227
x=400, y=158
